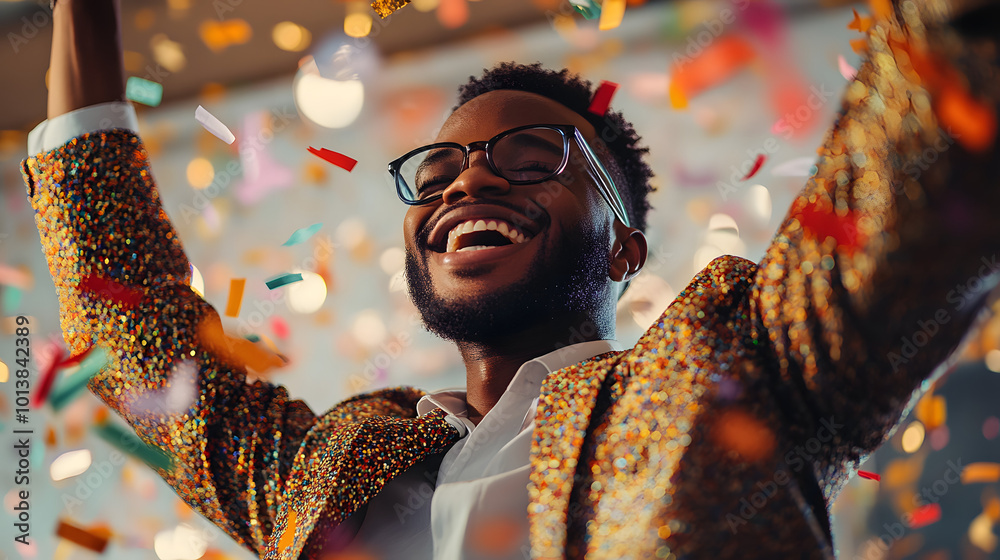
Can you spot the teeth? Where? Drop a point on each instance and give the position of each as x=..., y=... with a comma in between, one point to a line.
x=474, y=248
x=509, y=231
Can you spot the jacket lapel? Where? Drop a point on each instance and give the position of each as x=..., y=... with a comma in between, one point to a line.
x=565, y=407
x=337, y=479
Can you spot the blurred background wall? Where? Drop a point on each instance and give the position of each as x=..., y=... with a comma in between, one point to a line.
x=316, y=73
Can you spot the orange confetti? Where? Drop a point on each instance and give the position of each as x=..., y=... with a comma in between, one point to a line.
x=862, y=24
x=612, y=13
x=677, y=98
x=234, y=350
x=974, y=473
x=973, y=124
x=288, y=537
x=496, y=536
x=716, y=64
x=50, y=436
x=95, y=539
x=741, y=432
x=218, y=35
x=860, y=46
x=236, y=286
x=881, y=9
x=101, y=416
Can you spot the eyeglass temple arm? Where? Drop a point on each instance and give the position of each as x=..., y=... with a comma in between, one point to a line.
x=607, y=186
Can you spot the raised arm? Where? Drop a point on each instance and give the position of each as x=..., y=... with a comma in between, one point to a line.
x=102, y=224
x=888, y=254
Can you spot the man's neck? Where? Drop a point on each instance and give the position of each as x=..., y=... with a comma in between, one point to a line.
x=490, y=366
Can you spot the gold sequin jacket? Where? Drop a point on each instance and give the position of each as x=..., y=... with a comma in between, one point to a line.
x=725, y=432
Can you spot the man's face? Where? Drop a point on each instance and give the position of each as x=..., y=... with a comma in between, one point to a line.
x=560, y=268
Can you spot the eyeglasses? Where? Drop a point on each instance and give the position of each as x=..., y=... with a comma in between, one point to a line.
x=525, y=155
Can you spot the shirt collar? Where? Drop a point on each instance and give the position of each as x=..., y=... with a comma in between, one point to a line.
x=528, y=379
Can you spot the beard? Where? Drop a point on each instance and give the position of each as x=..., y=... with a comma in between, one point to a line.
x=568, y=280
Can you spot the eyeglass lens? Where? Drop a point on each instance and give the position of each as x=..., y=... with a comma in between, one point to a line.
x=527, y=156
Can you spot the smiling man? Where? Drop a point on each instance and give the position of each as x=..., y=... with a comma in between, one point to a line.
x=725, y=432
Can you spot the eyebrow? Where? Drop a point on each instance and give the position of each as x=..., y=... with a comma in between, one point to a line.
x=535, y=141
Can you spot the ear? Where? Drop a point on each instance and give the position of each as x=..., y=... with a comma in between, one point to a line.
x=628, y=253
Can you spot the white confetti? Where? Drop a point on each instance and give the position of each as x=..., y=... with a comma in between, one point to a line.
x=798, y=167
x=214, y=125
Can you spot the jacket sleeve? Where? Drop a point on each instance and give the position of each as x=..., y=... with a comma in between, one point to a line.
x=889, y=253
x=99, y=216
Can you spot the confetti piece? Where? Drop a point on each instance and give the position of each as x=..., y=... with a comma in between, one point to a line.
x=288, y=537
x=612, y=13
x=127, y=442
x=972, y=123
x=719, y=61
x=869, y=475
x=677, y=98
x=283, y=279
x=214, y=125
x=11, y=299
x=72, y=386
x=859, y=46
x=15, y=277
x=261, y=172
x=236, y=286
x=238, y=351
x=143, y=91
x=301, y=235
x=280, y=327
x=739, y=431
x=95, y=539
x=925, y=515
x=757, y=164
x=111, y=290
x=47, y=380
x=974, y=473
x=587, y=8
x=846, y=70
x=50, y=436
x=252, y=338
x=602, y=98
x=384, y=8
x=338, y=159
x=859, y=23
x=4, y=372
x=823, y=224
x=798, y=167
x=881, y=9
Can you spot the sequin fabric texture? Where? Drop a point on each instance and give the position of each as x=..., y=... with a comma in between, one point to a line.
x=725, y=432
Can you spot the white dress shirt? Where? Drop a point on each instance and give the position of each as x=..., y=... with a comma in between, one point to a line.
x=471, y=506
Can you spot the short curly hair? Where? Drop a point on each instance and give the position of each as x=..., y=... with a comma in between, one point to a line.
x=629, y=167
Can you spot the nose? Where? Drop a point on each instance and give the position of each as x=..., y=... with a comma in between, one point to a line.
x=477, y=180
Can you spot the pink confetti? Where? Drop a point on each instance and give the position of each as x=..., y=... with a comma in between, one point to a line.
x=280, y=327
x=846, y=70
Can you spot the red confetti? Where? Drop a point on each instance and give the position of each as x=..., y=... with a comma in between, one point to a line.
x=869, y=475
x=925, y=515
x=757, y=164
x=75, y=360
x=602, y=98
x=826, y=223
x=280, y=327
x=48, y=379
x=338, y=159
x=105, y=287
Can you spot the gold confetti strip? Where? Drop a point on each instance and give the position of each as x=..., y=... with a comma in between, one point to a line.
x=980, y=472
x=385, y=7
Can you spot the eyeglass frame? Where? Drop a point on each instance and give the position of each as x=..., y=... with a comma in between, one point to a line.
x=605, y=184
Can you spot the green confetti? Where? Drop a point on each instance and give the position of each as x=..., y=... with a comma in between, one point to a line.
x=300, y=235
x=70, y=388
x=283, y=279
x=143, y=91
x=126, y=441
x=11, y=299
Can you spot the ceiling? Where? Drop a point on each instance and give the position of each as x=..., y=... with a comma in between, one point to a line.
x=23, y=105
